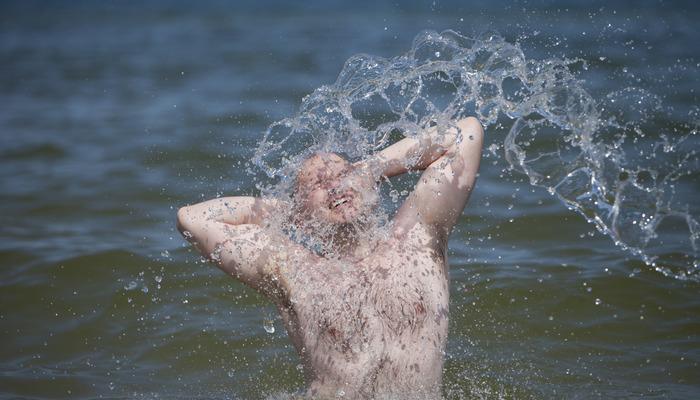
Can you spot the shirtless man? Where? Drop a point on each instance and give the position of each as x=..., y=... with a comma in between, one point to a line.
x=368, y=317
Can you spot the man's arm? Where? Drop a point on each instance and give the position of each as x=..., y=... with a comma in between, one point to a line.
x=451, y=165
x=228, y=232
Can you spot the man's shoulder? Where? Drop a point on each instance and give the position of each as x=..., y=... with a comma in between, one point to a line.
x=415, y=235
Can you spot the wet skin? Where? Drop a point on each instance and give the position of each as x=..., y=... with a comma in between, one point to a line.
x=368, y=318
x=331, y=190
x=376, y=326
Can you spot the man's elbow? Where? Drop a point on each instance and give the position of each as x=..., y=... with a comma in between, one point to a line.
x=472, y=139
x=471, y=130
x=184, y=217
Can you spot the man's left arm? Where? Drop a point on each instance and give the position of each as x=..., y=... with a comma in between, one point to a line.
x=450, y=169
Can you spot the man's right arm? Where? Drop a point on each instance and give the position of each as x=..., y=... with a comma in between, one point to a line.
x=229, y=210
x=229, y=232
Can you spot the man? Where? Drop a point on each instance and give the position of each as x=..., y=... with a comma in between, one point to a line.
x=368, y=313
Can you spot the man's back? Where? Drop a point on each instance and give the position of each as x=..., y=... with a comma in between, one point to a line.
x=376, y=325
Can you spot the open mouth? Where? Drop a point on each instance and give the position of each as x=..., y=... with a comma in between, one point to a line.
x=340, y=202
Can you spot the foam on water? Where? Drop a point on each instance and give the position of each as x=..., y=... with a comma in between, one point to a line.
x=607, y=158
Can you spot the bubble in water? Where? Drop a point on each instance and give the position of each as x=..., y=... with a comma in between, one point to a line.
x=607, y=158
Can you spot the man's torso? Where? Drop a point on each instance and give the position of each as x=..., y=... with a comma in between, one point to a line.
x=378, y=325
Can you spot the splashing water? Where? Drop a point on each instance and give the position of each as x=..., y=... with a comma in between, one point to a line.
x=269, y=324
x=606, y=158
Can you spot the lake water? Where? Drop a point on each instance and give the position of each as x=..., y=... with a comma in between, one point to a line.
x=114, y=115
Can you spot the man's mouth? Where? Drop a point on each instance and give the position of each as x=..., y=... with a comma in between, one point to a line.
x=340, y=201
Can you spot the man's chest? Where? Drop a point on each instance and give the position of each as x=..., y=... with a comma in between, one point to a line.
x=391, y=296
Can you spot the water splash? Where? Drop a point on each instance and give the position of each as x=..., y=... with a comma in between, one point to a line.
x=269, y=324
x=616, y=160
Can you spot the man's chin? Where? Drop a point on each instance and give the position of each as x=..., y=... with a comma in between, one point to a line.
x=356, y=218
x=349, y=215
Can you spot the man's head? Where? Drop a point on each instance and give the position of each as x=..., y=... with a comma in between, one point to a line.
x=330, y=190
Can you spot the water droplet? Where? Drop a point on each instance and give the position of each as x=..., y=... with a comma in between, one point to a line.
x=598, y=302
x=269, y=325
x=394, y=194
x=437, y=54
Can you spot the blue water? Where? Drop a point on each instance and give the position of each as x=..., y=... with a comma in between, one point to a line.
x=113, y=115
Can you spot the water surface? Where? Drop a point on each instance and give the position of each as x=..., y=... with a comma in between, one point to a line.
x=113, y=117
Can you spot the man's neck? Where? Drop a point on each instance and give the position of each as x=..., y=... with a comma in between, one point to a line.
x=354, y=241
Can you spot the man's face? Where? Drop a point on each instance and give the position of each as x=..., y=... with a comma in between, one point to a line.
x=330, y=190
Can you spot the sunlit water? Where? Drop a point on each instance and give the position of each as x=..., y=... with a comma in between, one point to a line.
x=112, y=118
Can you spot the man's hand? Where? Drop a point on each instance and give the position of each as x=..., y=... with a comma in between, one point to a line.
x=411, y=154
